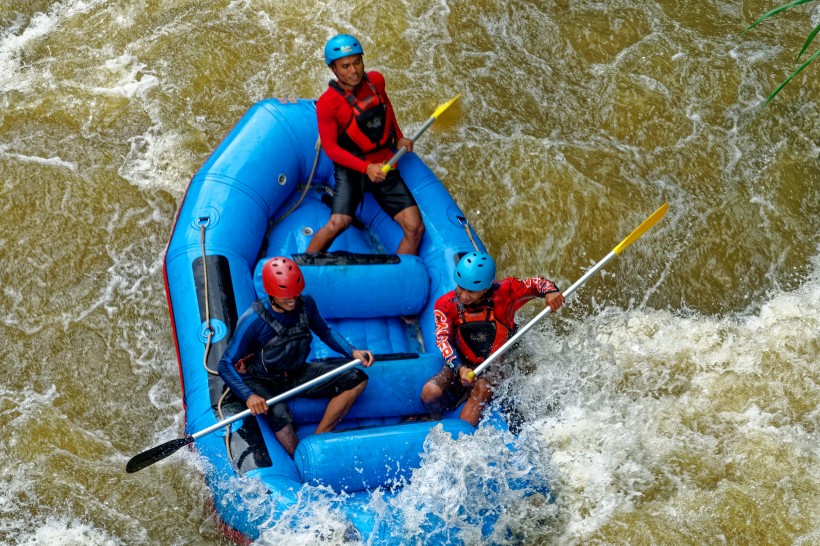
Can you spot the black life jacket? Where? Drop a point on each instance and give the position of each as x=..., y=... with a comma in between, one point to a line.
x=478, y=332
x=367, y=130
x=287, y=350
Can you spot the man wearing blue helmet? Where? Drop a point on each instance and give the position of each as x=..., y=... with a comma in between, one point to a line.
x=359, y=133
x=472, y=322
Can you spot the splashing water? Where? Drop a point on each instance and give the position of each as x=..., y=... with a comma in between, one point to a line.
x=674, y=401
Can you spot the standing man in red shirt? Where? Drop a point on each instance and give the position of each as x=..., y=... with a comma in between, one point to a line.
x=359, y=132
x=472, y=322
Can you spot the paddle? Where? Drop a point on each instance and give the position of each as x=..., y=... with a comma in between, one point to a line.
x=403, y=150
x=640, y=230
x=149, y=457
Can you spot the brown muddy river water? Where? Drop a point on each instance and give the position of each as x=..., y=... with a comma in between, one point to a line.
x=676, y=400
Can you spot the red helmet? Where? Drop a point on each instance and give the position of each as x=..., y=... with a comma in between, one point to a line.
x=282, y=278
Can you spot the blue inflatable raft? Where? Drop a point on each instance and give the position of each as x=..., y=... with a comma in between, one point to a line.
x=262, y=193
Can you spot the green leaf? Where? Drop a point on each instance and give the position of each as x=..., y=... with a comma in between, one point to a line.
x=808, y=41
x=795, y=73
x=774, y=12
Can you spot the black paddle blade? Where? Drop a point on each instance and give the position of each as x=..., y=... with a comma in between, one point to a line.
x=149, y=457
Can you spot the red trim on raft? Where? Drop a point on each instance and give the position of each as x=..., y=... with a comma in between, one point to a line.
x=230, y=533
x=165, y=279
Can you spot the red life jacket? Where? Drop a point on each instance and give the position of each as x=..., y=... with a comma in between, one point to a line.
x=367, y=130
x=478, y=332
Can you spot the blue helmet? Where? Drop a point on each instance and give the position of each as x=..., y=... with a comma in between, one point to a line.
x=340, y=46
x=475, y=271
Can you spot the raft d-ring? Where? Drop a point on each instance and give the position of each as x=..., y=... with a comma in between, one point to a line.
x=217, y=331
x=457, y=217
x=206, y=217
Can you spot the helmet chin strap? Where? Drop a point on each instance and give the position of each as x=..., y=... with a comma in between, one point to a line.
x=276, y=306
x=344, y=85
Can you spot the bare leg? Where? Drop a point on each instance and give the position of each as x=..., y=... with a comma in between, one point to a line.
x=410, y=221
x=324, y=237
x=338, y=407
x=287, y=437
x=479, y=397
x=431, y=398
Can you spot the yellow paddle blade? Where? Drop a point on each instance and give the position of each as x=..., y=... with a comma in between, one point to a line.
x=444, y=106
x=641, y=229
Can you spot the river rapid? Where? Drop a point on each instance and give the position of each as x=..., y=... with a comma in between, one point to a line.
x=675, y=400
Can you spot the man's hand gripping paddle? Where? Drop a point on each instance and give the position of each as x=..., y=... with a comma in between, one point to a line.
x=432, y=119
x=640, y=230
x=149, y=457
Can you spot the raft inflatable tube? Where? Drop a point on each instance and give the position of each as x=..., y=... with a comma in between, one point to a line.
x=264, y=192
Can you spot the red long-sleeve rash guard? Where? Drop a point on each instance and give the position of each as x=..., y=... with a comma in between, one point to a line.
x=333, y=114
x=508, y=297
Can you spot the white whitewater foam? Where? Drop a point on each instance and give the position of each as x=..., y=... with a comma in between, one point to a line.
x=617, y=401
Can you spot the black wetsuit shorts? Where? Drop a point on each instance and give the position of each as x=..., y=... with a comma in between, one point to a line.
x=393, y=195
x=279, y=414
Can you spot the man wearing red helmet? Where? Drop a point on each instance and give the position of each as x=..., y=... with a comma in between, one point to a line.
x=267, y=355
x=359, y=132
